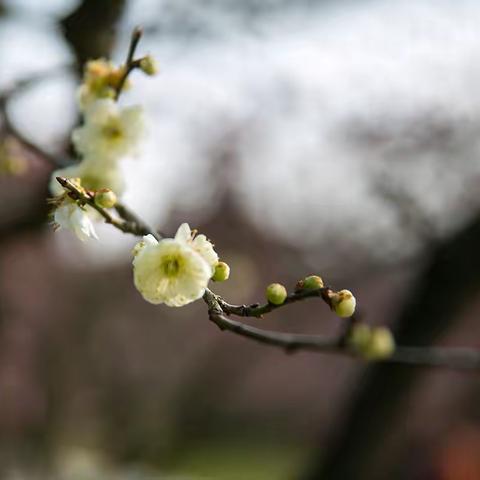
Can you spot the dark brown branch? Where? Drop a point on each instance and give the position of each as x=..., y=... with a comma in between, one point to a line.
x=139, y=225
x=453, y=358
x=256, y=310
x=289, y=342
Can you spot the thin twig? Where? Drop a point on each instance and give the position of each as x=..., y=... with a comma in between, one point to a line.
x=126, y=214
x=256, y=310
x=134, y=227
x=130, y=63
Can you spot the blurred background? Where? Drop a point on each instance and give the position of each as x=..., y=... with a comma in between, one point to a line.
x=333, y=137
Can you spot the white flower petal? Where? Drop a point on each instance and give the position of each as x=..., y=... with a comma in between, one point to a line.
x=205, y=248
x=200, y=244
x=184, y=234
x=69, y=216
x=150, y=239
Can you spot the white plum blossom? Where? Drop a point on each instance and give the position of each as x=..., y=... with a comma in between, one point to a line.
x=109, y=132
x=94, y=174
x=70, y=216
x=170, y=271
x=199, y=243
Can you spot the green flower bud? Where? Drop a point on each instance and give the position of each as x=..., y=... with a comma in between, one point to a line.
x=276, y=293
x=149, y=65
x=359, y=337
x=381, y=344
x=222, y=272
x=105, y=198
x=312, y=282
x=343, y=303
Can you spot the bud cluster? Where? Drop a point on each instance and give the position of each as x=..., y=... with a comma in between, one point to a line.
x=372, y=343
x=343, y=303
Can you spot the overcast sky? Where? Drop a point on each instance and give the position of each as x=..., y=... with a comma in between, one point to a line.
x=319, y=105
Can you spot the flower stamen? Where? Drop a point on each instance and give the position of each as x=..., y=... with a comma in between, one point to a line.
x=170, y=266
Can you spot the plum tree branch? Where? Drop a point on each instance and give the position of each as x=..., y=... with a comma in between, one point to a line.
x=219, y=311
x=129, y=224
x=258, y=311
x=453, y=358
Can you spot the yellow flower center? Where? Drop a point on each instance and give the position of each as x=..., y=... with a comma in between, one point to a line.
x=112, y=131
x=170, y=266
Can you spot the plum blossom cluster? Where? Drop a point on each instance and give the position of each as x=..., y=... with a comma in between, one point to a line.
x=172, y=271
x=108, y=134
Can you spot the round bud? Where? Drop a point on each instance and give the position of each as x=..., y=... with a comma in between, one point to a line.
x=276, y=293
x=343, y=303
x=222, y=272
x=312, y=282
x=105, y=198
x=359, y=337
x=149, y=65
x=381, y=344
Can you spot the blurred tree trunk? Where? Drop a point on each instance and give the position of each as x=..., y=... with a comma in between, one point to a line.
x=445, y=285
x=91, y=28
x=90, y=31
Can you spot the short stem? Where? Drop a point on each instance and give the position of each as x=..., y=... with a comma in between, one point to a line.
x=130, y=63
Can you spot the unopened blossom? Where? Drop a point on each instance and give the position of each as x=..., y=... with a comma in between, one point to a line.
x=169, y=271
x=94, y=174
x=381, y=344
x=199, y=243
x=222, y=272
x=70, y=216
x=276, y=293
x=343, y=303
x=101, y=78
x=105, y=198
x=109, y=131
x=149, y=65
